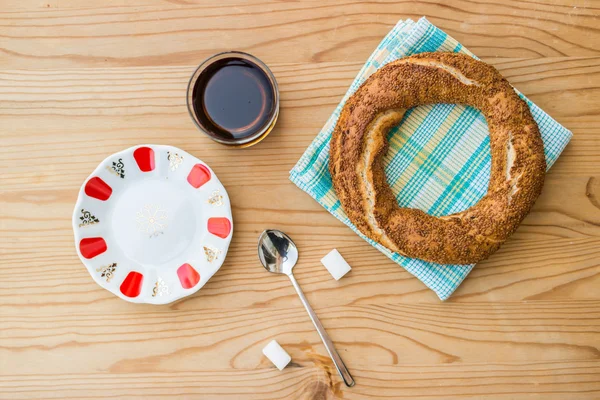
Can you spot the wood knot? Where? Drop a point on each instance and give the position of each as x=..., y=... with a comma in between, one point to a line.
x=591, y=189
x=319, y=390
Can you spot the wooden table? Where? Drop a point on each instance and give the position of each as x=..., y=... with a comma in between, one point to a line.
x=80, y=80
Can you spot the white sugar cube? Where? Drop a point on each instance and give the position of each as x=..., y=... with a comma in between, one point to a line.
x=277, y=354
x=335, y=264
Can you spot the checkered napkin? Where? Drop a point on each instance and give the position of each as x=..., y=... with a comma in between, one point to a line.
x=438, y=160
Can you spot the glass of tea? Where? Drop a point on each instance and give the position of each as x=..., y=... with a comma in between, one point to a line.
x=233, y=98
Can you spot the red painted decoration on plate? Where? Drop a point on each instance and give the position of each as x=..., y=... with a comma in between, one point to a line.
x=220, y=226
x=91, y=247
x=98, y=189
x=132, y=285
x=188, y=276
x=144, y=156
x=199, y=175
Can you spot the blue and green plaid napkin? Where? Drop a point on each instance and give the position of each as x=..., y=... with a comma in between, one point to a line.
x=439, y=156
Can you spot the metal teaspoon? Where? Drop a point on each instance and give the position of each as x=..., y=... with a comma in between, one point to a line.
x=278, y=254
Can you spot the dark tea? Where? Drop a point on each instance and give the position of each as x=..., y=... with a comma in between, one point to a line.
x=234, y=100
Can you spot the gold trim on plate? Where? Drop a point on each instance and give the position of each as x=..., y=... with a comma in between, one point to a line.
x=87, y=218
x=107, y=271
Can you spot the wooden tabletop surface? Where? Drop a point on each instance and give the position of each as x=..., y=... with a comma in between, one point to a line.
x=80, y=80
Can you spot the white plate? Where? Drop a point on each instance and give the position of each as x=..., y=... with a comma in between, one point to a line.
x=152, y=224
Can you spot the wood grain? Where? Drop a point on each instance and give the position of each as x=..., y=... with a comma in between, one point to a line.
x=81, y=80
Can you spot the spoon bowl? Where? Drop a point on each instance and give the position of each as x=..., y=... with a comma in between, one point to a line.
x=277, y=252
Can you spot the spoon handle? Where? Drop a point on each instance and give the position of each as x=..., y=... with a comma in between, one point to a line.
x=335, y=357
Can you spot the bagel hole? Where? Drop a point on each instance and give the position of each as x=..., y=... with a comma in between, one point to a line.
x=440, y=157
